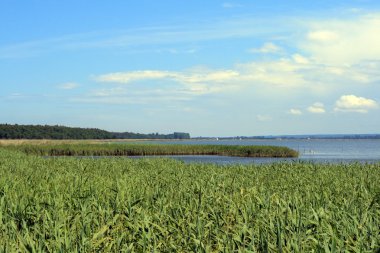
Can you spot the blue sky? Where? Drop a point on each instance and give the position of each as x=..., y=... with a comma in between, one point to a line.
x=211, y=68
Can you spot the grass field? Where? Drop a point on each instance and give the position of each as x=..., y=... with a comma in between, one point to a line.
x=161, y=205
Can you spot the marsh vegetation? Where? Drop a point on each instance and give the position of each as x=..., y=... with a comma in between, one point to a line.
x=131, y=149
x=161, y=205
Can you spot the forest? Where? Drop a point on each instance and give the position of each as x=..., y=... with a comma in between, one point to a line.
x=9, y=131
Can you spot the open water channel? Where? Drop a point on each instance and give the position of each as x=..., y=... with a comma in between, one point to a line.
x=315, y=150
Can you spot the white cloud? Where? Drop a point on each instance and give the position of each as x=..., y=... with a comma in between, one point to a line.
x=323, y=36
x=344, y=42
x=128, y=77
x=333, y=54
x=295, y=111
x=125, y=95
x=296, y=72
x=196, y=76
x=68, y=86
x=352, y=103
x=318, y=108
x=267, y=48
x=283, y=73
x=196, y=81
x=300, y=59
x=200, y=76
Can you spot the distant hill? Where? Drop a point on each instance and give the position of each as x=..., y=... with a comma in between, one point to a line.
x=8, y=131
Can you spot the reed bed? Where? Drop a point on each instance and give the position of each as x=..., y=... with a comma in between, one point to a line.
x=131, y=149
x=162, y=205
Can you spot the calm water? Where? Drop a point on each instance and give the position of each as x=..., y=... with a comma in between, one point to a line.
x=331, y=151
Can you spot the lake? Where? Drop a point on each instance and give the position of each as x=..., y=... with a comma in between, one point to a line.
x=316, y=150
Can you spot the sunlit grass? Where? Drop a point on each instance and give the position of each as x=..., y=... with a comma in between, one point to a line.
x=162, y=205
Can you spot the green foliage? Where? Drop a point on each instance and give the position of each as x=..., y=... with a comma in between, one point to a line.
x=130, y=149
x=8, y=131
x=50, y=132
x=162, y=205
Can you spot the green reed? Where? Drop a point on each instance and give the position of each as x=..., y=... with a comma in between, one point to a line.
x=154, y=149
x=163, y=205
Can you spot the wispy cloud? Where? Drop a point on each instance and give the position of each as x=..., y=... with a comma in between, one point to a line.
x=267, y=48
x=295, y=111
x=201, y=75
x=263, y=118
x=295, y=72
x=122, y=95
x=318, y=108
x=197, y=81
x=229, y=5
x=200, y=81
x=206, y=30
x=300, y=59
x=68, y=86
x=314, y=64
x=15, y=96
x=127, y=77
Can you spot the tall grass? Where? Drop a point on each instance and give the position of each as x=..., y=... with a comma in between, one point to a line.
x=153, y=149
x=162, y=205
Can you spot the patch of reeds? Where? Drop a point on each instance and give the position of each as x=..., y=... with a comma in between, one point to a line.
x=162, y=205
x=131, y=149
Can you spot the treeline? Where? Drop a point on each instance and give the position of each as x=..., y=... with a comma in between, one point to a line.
x=8, y=131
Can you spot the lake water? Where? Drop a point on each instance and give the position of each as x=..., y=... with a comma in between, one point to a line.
x=316, y=150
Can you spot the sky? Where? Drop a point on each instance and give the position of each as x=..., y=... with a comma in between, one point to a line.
x=210, y=68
